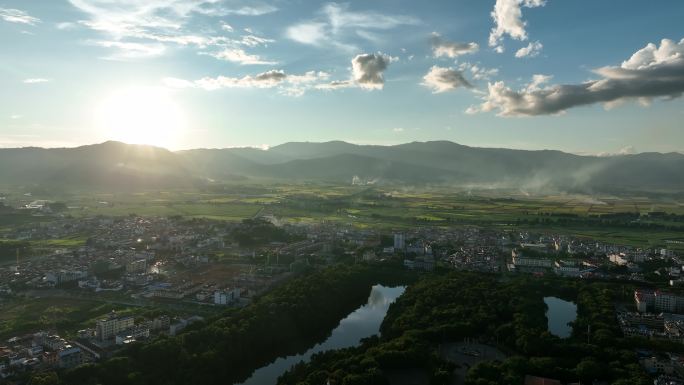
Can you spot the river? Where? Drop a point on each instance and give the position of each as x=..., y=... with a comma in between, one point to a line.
x=361, y=323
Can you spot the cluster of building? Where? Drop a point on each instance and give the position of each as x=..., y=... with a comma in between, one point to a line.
x=658, y=301
x=652, y=325
x=43, y=350
x=37, y=351
x=666, y=368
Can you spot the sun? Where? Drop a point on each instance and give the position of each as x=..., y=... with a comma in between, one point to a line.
x=141, y=115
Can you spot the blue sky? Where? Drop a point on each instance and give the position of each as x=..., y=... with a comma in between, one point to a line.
x=579, y=76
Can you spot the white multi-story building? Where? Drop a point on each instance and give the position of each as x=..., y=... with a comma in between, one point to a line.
x=658, y=301
x=519, y=260
x=109, y=327
x=567, y=269
x=225, y=297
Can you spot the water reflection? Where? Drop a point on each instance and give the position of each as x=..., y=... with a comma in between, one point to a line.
x=559, y=314
x=363, y=322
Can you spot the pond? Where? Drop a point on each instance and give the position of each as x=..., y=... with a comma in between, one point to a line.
x=361, y=323
x=559, y=314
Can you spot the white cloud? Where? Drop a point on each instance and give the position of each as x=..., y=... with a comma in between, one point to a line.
x=257, y=10
x=237, y=55
x=507, y=15
x=336, y=85
x=627, y=150
x=441, y=79
x=36, y=80
x=478, y=72
x=368, y=69
x=652, y=72
x=291, y=85
x=336, y=21
x=340, y=17
x=451, y=49
x=16, y=116
x=531, y=50
x=307, y=33
x=367, y=73
x=226, y=27
x=398, y=129
x=128, y=50
x=253, y=41
x=11, y=15
x=65, y=26
x=136, y=24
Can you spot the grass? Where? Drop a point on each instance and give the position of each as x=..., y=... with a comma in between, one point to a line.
x=229, y=211
x=60, y=314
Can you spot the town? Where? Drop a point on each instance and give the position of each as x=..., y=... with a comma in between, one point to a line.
x=187, y=269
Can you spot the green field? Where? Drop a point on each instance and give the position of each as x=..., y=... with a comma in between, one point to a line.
x=63, y=315
x=391, y=207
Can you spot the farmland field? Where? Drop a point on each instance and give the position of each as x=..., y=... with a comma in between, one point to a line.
x=392, y=207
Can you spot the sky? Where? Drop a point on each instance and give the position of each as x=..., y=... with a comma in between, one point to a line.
x=582, y=76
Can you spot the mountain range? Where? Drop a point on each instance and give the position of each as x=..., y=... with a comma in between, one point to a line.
x=119, y=166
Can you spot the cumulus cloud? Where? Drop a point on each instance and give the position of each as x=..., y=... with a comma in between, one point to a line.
x=36, y=80
x=450, y=49
x=507, y=15
x=441, y=79
x=531, y=50
x=337, y=21
x=368, y=69
x=652, y=72
x=12, y=15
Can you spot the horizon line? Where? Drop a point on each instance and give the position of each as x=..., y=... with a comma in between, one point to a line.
x=266, y=148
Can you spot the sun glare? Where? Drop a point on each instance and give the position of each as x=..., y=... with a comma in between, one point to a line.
x=141, y=115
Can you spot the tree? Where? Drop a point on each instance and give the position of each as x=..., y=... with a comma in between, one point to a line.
x=45, y=378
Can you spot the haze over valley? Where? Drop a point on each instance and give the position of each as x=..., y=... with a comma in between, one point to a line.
x=115, y=165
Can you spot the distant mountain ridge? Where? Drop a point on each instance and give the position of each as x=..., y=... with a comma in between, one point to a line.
x=115, y=165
